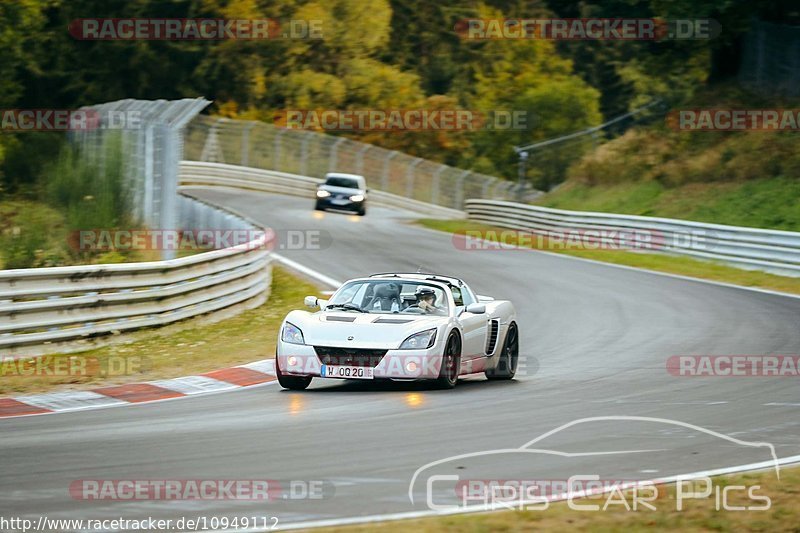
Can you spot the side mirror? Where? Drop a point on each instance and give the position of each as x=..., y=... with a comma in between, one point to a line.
x=476, y=309
x=310, y=301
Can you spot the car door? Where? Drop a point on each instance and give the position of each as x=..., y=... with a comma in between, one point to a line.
x=473, y=326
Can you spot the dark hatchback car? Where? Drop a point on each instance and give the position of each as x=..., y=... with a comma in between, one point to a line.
x=343, y=191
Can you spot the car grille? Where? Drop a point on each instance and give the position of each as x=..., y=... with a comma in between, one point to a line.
x=329, y=355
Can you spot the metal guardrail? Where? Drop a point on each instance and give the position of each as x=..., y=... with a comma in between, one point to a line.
x=749, y=248
x=219, y=174
x=42, y=308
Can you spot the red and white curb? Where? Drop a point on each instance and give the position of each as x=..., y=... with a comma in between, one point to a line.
x=236, y=377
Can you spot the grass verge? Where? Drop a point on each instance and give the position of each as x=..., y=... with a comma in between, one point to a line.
x=697, y=514
x=199, y=348
x=758, y=203
x=684, y=266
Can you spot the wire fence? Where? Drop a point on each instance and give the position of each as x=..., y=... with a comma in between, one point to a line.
x=546, y=163
x=264, y=146
x=771, y=59
x=149, y=135
x=150, y=139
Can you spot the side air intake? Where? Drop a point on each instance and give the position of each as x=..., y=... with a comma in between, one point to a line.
x=491, y=338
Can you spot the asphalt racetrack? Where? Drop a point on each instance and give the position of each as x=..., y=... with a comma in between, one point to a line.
x=594, y=343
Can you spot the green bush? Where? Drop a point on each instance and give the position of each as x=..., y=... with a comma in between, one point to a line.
x=93, y=194
x=31, y=235
x=79, y=193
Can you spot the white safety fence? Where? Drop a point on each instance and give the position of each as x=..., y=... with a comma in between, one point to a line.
x=749, y=248
x=49, y=309
x=197, y=173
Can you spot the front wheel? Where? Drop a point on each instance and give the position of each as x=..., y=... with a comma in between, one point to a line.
x=451, y=363
x=319, y=207
x=291, y=382
x=509, y=356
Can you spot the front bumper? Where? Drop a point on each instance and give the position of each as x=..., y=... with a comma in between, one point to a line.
x=345, y=204
x=302, y=360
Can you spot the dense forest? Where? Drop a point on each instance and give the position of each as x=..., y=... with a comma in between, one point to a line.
x=383, y=54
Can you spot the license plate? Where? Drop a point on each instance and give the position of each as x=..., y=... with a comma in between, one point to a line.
x=339, y=201
x=346, y=372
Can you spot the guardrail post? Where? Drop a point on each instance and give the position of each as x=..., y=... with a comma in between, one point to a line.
x=276, y=150
x=485, y=188
x=522, y=174
x=246, y=143
x=435, y=186
x=333, y=160
x=410, y=177
x=149, y=175
x=211, y=150
x=360, y=158
x=459, y=203
x=169, y=186
x=304, y=153
x=386, y=170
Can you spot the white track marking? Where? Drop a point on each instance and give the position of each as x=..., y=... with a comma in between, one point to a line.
x=319, y=276
x=120, y=403
x=764, y=465
x=68, y=400
x=193, y=384
x=265, y=366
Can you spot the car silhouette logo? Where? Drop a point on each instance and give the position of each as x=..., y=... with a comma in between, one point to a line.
x=350, y=338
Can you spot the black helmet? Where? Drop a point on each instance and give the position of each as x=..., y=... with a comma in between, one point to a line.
x=423, y=291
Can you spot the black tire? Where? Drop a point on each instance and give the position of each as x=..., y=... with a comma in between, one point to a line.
x=451, y=363
x=291, y=382
x=319, y=207
x=508, y=358
x=362, y=211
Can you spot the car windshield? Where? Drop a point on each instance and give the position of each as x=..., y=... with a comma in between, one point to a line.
x=348, y=183
x=390, y=296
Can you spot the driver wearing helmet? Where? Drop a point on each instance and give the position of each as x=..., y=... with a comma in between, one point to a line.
x=426, y=299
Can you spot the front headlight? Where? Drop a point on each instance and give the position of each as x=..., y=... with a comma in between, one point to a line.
x=357, y=198
x=322, y=194
x=423, y=339
x=292, y=334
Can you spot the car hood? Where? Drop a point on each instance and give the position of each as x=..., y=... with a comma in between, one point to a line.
x=384, y=331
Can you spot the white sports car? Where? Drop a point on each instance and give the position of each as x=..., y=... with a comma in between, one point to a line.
x=400, y=327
